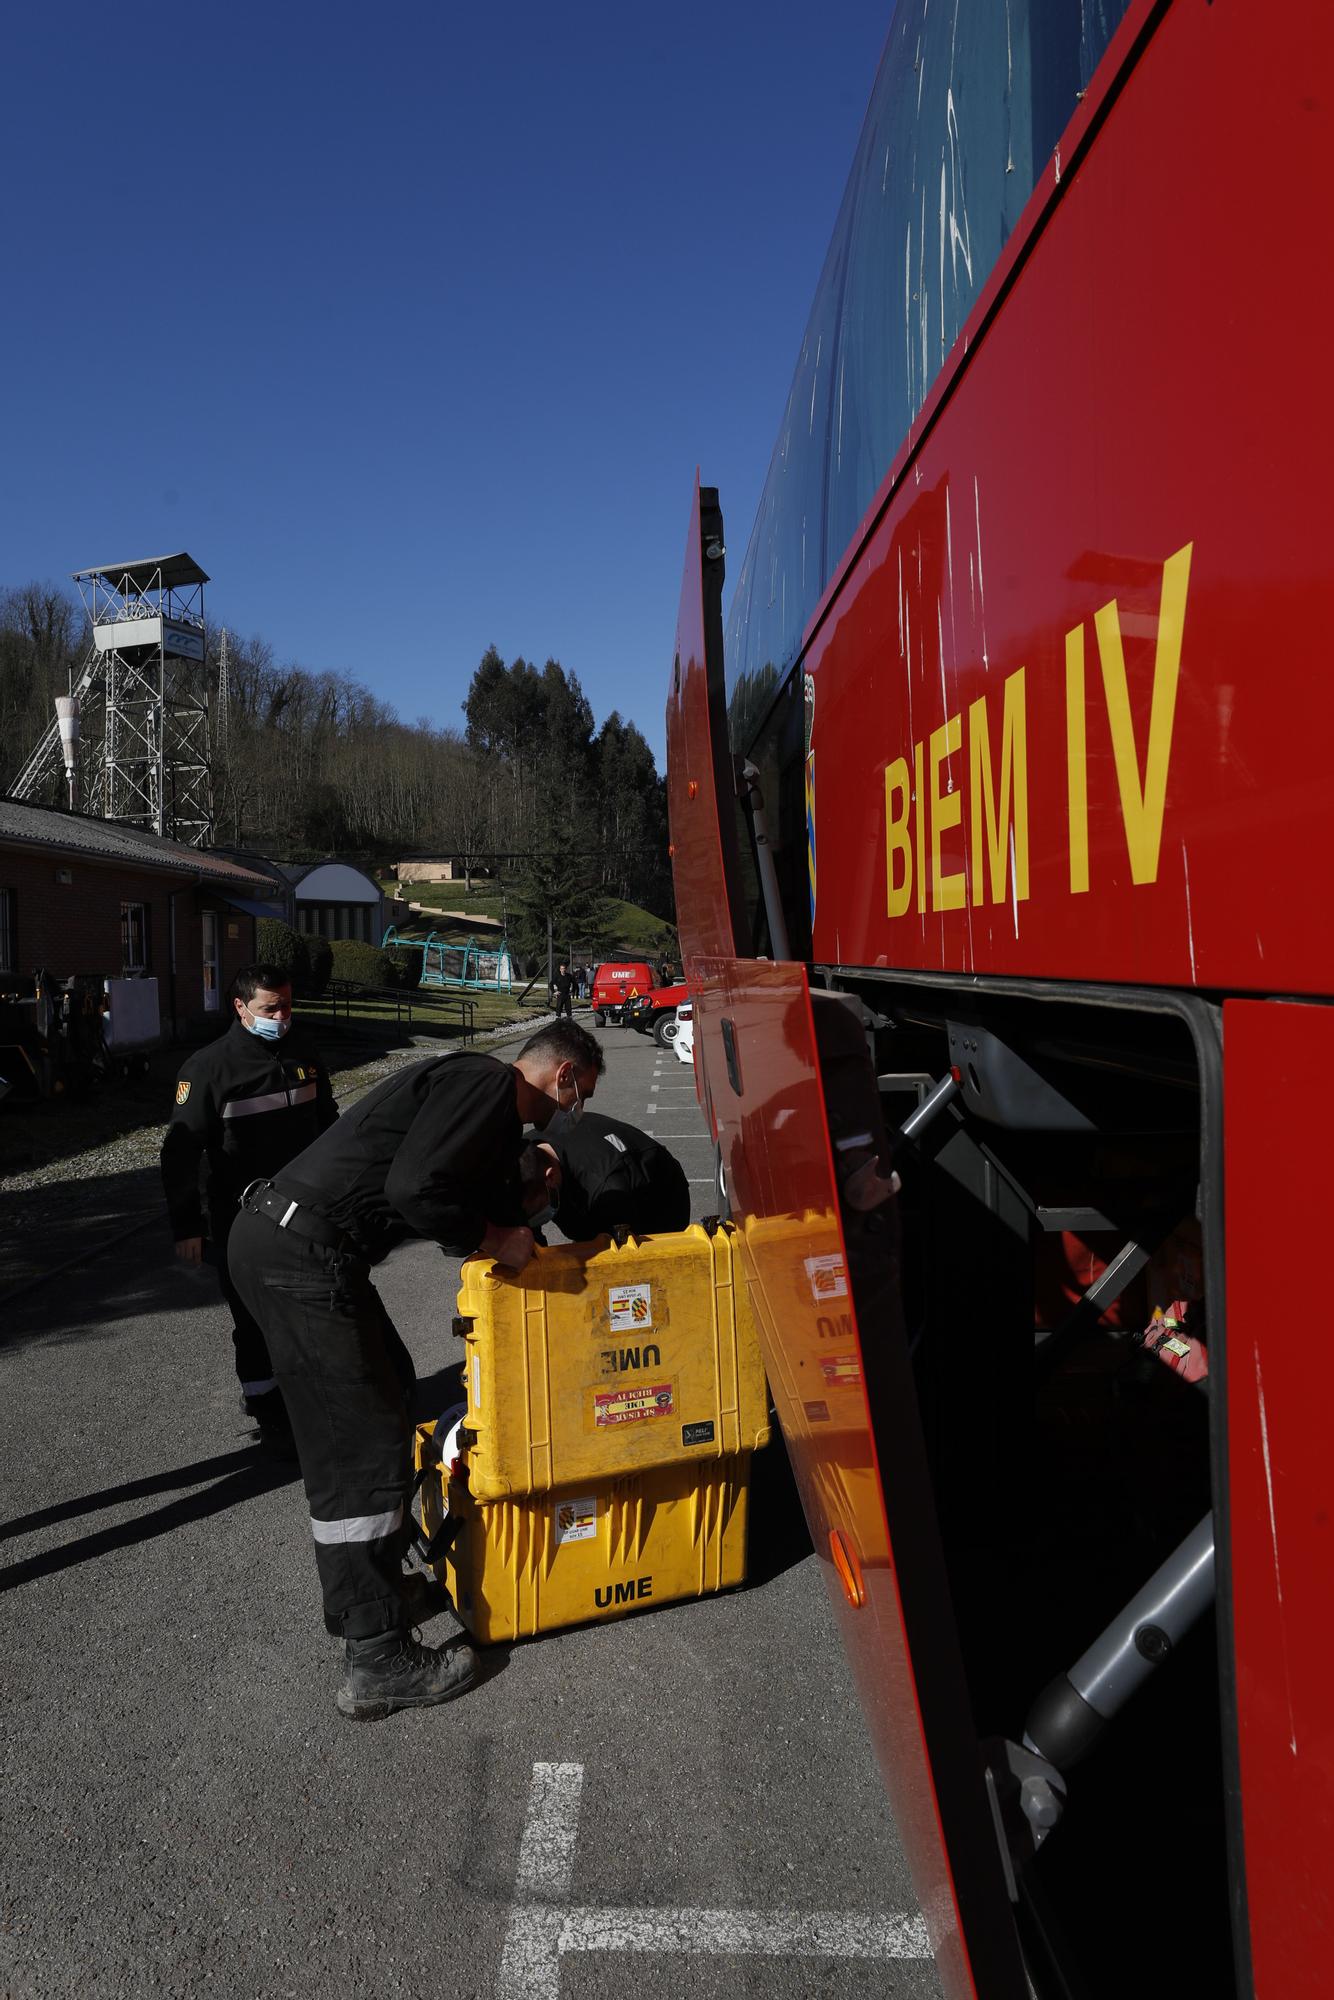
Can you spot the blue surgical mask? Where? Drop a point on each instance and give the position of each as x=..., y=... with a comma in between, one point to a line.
x=267, y=1030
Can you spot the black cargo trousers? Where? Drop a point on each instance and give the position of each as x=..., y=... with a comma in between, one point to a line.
x=254, y=1369
x=347, y=1381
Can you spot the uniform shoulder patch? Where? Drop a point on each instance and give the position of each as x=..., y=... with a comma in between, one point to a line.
x=612, y=1140
x=182, y=1091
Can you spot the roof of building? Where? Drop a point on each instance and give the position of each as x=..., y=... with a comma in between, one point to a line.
x=296, y=872
x=178, y=572
x=22, y=825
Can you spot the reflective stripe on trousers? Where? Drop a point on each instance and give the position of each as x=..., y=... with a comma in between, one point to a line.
x=357, y=1528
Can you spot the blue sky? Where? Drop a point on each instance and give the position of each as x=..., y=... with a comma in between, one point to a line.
x=411, y=323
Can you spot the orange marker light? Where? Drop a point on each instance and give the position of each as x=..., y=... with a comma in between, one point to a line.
x=692, y=789
x=848, y=1567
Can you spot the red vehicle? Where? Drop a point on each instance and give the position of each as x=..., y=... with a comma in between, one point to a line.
x=654, y=1012
x=1025, y=675
x=616, y=987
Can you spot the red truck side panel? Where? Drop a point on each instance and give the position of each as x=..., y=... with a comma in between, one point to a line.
x=1280, y=1393
x=1070, y=704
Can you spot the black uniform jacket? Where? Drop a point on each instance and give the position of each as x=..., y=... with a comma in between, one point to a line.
x=245, y=1107
x=613, y=1174
x=433, y=1151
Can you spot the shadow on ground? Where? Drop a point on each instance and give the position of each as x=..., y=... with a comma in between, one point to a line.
x=244, y=1474
x=36, y=1135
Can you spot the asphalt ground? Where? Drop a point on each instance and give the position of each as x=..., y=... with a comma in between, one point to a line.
x=683, y=1803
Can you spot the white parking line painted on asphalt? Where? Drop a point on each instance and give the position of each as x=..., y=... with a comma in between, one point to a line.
x=543, y=1927
x=777, y=1933
x=530, y=1961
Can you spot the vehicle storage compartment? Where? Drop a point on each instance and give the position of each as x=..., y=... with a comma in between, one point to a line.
x=1060, y=1158
x=518, y=1567
x=604, y=1359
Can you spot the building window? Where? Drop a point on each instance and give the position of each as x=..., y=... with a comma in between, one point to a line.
x=9, y=949
x=134, y=937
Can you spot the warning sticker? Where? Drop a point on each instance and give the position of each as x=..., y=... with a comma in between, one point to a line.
x=576, y=1520
x=817, y=1412
x=840, y=1371
x=630, y=1306
x=632, y=1405
x=828, y=1279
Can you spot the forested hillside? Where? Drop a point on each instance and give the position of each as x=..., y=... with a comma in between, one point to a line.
x=313, y=763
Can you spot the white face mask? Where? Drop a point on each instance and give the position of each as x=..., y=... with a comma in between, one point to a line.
x=565, y=1117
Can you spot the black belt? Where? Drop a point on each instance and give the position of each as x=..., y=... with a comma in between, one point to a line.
x=263, y=1198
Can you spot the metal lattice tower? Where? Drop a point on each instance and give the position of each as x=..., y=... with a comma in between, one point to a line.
x=143, y=702
x=224, y=694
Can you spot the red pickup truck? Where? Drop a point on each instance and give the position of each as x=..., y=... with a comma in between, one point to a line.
x=654, y=1012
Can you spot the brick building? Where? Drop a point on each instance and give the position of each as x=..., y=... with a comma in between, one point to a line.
x=81, y=895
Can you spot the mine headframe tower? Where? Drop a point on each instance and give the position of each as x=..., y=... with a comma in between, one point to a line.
x=142, y=703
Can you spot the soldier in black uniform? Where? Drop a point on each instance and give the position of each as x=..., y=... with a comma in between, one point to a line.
x=432, y=1152
x=245, y=1106
x=562, y=987
x=612, y=1174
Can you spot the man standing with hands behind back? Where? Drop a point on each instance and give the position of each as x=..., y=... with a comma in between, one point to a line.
x=245, y=1105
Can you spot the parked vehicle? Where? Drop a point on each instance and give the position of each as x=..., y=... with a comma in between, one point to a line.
x=615, y=986
x=654, y=1013
x=1013, y=996
x=683, y=1041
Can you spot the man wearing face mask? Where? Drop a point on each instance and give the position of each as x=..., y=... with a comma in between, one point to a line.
x=245, y=1106
x=432, y=1152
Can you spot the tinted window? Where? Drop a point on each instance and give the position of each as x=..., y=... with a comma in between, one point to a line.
x=967, y=108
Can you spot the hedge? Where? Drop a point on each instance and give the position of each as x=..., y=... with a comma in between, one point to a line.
x=307, y=960
x=278, y=944
x=362, y=964
x=319, y=960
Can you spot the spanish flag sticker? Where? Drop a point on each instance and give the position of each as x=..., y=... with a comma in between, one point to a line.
x=182, y=1092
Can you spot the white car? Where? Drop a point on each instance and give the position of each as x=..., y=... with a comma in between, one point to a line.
x=683, y=1042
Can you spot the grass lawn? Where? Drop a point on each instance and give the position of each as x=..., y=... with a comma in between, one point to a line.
x=428, y=1011
x=639, y=933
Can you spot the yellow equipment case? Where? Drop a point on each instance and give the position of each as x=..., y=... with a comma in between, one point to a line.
x=600, y=1360
x=519, y=1567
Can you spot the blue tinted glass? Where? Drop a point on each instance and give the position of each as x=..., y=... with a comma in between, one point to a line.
x=785, y=561
x=968, y=106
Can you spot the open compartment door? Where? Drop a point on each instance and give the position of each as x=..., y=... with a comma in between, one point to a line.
x=776, y=1065
x=798, y=1118
x=700, y=790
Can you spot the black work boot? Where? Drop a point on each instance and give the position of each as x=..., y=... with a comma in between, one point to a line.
x=394, y=1670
